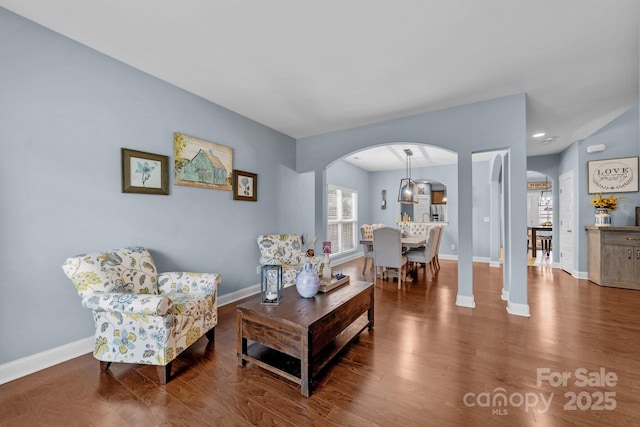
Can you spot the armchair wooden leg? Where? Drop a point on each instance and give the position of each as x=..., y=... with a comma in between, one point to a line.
x=365, y=266
x=164, y=372
x=211, y=334
x=104, y=365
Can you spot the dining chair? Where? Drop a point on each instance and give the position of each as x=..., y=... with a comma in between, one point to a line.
x=424, y=255
x=544, y=237
x=436, y=249
x=366, y=232
x=387, y=252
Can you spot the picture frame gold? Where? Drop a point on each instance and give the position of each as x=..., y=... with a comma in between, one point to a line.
x=144, y=173
x=245, y=186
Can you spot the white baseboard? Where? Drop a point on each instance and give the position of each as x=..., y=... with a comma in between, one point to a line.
x=238, y=295
x=36, y=362
x=495, y=264
x=465, y=301
x=346, y=258
x=39, y=361
x=505, y=295
x=518, y=309
x=580, y=275
x=575, y=273
x=450, y=257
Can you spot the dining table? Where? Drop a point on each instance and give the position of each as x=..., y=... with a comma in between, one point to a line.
x=534, y=232
x=411, y=241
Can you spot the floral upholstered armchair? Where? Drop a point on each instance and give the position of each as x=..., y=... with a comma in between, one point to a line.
x=141, y=316
x=286, y=250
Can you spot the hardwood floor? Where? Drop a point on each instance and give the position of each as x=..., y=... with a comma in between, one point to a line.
x=426, y=362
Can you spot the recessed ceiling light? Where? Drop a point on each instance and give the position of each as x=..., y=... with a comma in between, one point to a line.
x=548, y=140
x=538, y=135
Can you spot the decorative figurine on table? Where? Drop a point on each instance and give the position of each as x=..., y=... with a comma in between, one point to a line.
x=310, y=244
x=326, y=270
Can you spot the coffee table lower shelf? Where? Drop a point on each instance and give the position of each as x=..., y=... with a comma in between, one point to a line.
x=299, y=337
x=290, y=367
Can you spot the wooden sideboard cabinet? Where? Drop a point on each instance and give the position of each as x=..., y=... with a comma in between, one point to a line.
x=613, y=255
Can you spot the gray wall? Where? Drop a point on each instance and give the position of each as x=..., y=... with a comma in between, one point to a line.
x=65, y=111
x=621, y=140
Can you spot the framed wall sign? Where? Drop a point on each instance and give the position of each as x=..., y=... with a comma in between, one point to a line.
x=145, y=173
x=245, y=186
x=539, y=185
x=613, y=175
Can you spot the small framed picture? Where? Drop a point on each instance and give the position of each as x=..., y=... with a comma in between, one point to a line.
x=144, y=173
x=245, y=186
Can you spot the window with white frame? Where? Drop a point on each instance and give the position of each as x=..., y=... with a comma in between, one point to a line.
x=342, y=218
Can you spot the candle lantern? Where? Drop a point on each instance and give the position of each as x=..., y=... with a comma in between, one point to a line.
x=271, y=284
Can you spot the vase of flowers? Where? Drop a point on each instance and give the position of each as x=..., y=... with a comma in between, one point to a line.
x=603, y=217
x=604, y=206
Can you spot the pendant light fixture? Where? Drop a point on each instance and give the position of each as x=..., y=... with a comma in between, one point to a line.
x=408, y=192
x=544, y=201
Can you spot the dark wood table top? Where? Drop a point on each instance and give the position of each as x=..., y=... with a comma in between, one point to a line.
x=304, y=312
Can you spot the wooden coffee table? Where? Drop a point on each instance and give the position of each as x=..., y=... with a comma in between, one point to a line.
x=299, y=337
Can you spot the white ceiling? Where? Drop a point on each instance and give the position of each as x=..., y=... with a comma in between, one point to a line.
x=380, y=158
x=310, y=67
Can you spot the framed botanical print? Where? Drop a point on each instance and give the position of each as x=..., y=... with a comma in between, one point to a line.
x=145, y=173
x=245, y=186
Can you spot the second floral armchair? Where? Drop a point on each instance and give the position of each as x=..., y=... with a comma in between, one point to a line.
x=286, y=250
